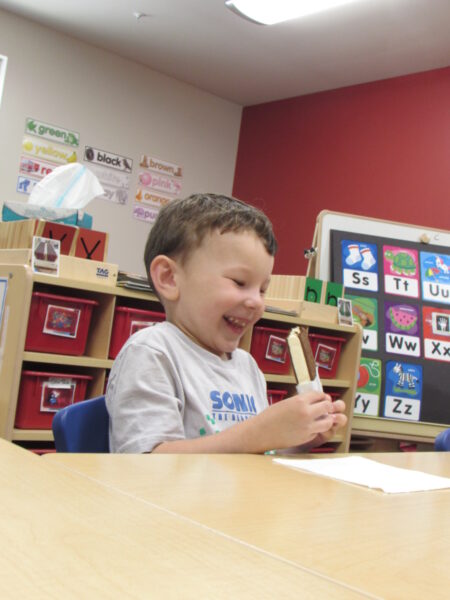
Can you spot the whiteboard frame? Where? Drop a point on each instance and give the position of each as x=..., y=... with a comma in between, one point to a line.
x=3, y=63
x=328, y=221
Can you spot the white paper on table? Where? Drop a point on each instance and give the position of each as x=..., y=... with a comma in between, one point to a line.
x=370, y=473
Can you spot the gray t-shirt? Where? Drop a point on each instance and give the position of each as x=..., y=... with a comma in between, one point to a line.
x=164, y=387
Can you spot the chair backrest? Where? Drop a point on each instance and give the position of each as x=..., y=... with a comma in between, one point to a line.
x=442, y=441
x=82, y=427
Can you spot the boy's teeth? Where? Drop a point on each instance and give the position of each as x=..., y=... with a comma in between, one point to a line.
x=237, y=322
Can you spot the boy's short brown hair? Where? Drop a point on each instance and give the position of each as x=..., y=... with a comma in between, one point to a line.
x=182, y=225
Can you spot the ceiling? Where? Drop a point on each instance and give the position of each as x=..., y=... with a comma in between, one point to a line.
x=201, y=42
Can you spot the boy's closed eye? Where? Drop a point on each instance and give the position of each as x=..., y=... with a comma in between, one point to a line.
x=238, y=282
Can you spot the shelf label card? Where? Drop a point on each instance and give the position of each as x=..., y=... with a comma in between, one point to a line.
x=367, y=405
x=402, y=408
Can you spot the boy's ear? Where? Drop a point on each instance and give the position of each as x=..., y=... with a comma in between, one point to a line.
x=162, y=272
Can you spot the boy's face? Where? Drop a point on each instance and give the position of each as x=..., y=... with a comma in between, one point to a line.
x=221, y=287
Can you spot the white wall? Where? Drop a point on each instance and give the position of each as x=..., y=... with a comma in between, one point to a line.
x=118, y=106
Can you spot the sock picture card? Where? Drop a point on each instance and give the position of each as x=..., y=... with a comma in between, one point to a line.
x=359, y=265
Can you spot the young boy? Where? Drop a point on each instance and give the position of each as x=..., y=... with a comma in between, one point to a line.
x=184, y=385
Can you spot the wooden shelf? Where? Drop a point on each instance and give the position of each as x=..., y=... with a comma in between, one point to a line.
x=21, y=284
x=95, y=362
x=290, y=379
x=379, y=427
x=286, y=379
x=321, y=317
x=32, y=435
x=63, y=359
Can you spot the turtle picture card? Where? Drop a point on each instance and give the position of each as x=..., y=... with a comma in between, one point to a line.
x=401, y=271
x=405, y=317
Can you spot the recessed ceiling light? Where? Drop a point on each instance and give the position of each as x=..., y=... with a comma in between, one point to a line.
x=269, y=12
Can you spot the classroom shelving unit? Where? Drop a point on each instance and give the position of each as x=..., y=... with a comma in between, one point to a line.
x=22, y=282
x=321, y=319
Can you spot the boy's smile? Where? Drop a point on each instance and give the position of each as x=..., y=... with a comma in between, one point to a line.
x=221, y=287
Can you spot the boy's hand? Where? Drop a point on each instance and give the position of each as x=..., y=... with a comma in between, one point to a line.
x=306, y=419
x=340, y=420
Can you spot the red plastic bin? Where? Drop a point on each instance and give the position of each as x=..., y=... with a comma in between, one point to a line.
x=274, y=396
x=326, y=350
x=58, y=324
x=41, y=395
x=127, y=321
x=269, y=348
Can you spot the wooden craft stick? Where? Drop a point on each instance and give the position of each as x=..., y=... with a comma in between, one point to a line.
x=303, y=361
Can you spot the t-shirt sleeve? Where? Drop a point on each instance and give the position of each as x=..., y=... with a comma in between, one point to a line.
x=145, y=400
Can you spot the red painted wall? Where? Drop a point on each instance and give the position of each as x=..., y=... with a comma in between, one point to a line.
x=379, y=150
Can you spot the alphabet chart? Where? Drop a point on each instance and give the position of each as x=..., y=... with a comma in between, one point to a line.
x=400, y=293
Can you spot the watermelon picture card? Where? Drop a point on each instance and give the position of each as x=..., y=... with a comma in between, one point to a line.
x=402, y=329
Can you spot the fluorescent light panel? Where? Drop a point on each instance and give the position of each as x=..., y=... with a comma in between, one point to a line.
x=269, y=12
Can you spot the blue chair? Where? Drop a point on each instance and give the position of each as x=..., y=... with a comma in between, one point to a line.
x=442, y=441
x=82, y=427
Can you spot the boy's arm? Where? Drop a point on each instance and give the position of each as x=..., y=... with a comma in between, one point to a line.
x=309, y=418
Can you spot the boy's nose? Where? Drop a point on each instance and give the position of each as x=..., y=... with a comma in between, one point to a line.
x=255, y=301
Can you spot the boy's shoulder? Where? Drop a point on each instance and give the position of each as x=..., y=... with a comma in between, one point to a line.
x=154, y=334
x=168, y=338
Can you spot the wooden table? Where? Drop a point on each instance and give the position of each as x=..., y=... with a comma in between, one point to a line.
x=387, y=545
x=65, y=535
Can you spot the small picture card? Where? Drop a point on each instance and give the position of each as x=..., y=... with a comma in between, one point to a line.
x=3, y=291
x=45, y=256
x=62, y=321
x=345, y=313
x=325, y=356
x=138, y=325
x=441, y=324
x=57, y=395
x=276, y=349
